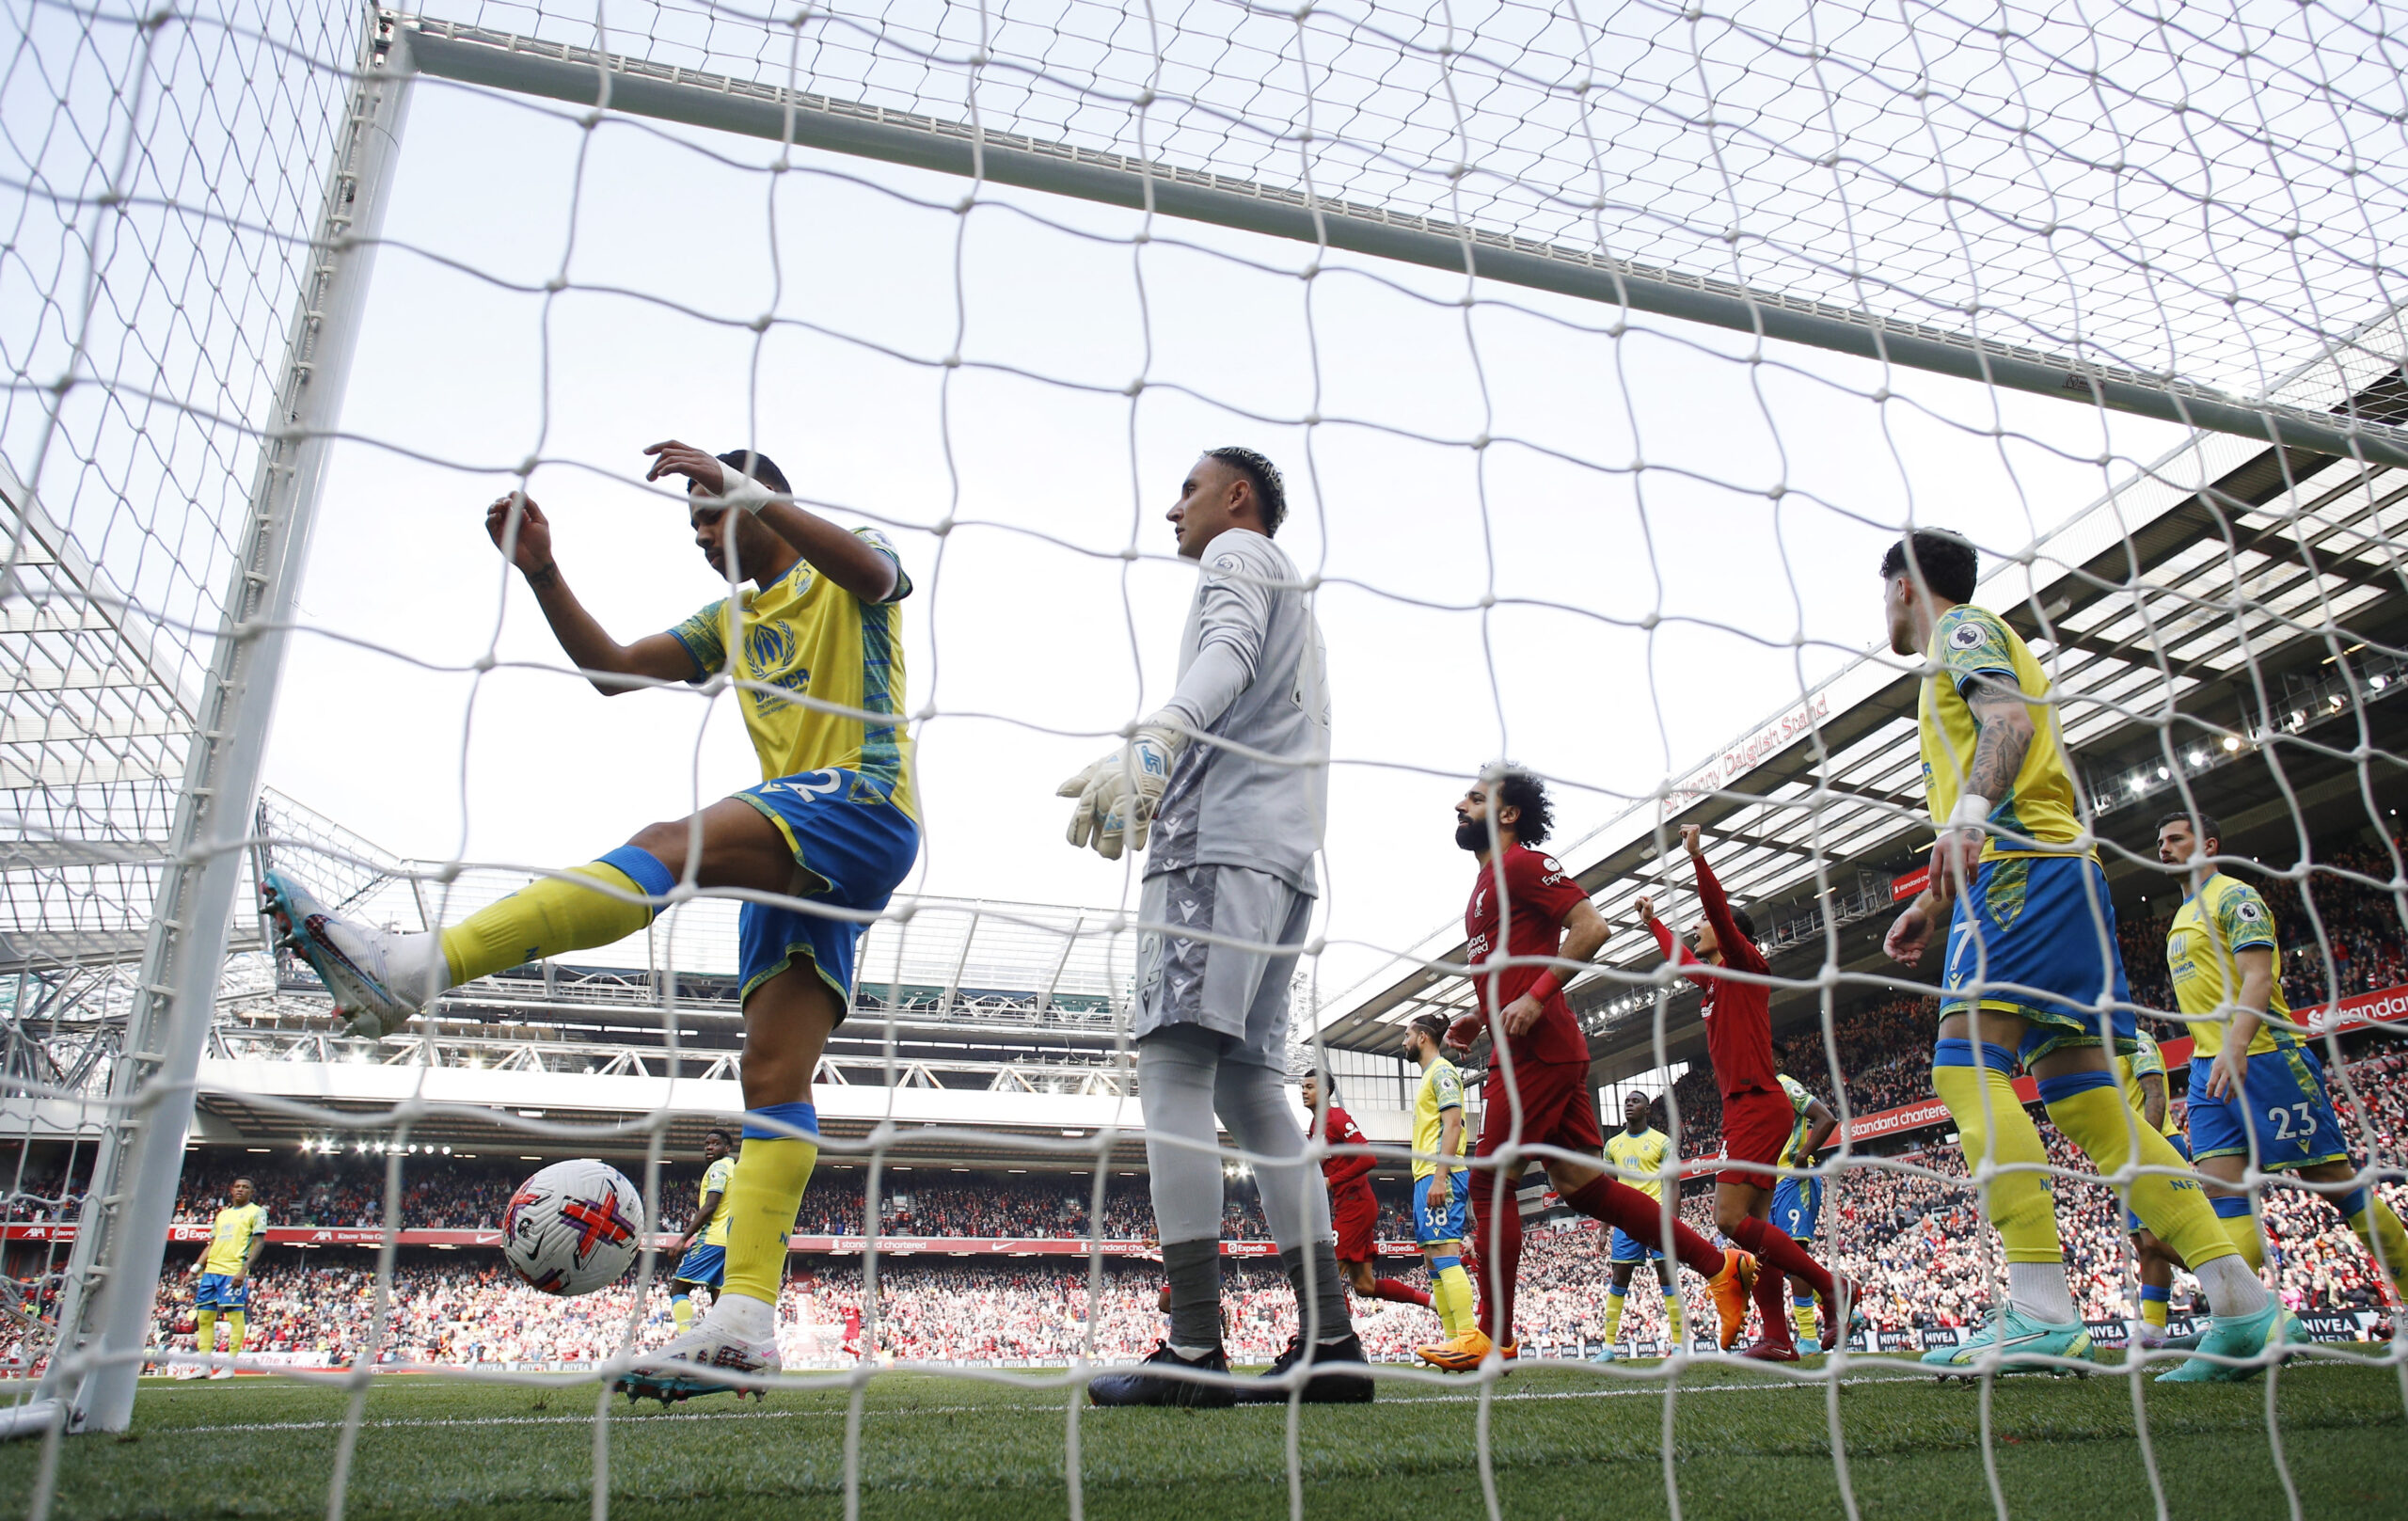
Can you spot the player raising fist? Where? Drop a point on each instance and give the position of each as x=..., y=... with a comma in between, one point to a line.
x=1757, y=1115
x=1524, y=913
x=814, y=651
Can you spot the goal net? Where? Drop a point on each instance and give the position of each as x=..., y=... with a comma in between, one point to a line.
x=1605, y=351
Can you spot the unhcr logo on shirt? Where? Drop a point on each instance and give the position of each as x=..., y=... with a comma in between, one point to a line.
x=769, y=657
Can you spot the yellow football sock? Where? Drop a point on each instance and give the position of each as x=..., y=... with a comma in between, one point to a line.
x=2176, y=1209
x=1801, y=1315
x=2246, y=1239
x=205, y=1332
x=1673, y=1313
x=545, y=918
x=1613, y=1315
x=2153, y=1311
x=233, y=1333
x=771, y=1172
x=681, y=1310
x=1450, y=1296
x=1991, y=1125
x=2379, y=1227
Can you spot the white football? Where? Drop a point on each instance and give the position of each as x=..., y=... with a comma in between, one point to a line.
x=573, y=1227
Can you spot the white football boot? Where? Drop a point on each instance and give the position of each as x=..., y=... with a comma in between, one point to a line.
x=353, y=960
x=676, y=1372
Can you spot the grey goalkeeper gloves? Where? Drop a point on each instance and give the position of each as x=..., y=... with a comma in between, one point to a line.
x=1119, y=794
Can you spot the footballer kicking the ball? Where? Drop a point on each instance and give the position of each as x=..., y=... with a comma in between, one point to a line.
x=814, y=645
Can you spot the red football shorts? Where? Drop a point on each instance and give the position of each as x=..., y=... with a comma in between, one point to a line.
x=1755, y=1126
x=1356, y=1214
x=1556, y=1109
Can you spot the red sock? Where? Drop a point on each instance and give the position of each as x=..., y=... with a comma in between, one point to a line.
x=1772, y=1303
x=1775, y=1250
x=1617, y=1203
x=1401, y=1293
x=1497, y=1225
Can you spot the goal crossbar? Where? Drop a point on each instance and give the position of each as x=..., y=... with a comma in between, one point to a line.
x=585, y=76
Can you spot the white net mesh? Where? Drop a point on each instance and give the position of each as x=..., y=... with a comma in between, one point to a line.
x=1605, y=351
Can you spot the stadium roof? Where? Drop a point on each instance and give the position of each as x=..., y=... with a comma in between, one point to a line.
x=2128, y=604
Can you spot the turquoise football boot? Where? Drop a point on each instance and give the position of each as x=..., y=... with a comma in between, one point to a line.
x=2238, y=1336
x=2012, y=1342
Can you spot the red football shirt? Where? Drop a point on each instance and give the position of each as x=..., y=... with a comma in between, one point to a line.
x=1737, y=1015
x=1540, y=895
x=1345, y=1174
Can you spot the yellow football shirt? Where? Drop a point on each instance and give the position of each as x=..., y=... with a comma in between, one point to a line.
x=2038, y=815
x=1441, y=1089
x=230, y=1237
x=1792, y=1152
x=2146, y=1062
x=2223, y=917
x=804, y=647
x=1640, y=1153
x=715, y=1181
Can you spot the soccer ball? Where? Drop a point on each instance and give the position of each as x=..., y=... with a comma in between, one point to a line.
x=573, y=1227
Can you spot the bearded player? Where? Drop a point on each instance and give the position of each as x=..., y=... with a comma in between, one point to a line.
x=1353, y=1208
x=1230, y=778
x=2257, y=1100
x=1524, y=913
x=1638, y=1151
x=1757, y=1115
x=813, y=649
x=2033, y=977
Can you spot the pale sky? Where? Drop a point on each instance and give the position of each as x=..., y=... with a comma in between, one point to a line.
x=1029, y=634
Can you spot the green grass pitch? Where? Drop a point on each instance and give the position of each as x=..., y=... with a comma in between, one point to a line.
x=1564, y=1442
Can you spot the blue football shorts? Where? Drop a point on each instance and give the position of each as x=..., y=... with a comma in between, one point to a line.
x=2132, y=1221
x=706, y=1265
x=1797, y=1206
x=1622, y=1247
x=222, y=1290
x=854, y=848
x=2283, y=1114
x=2035, y=936
x=1440, y=1218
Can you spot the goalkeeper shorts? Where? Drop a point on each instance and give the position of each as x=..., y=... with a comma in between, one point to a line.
x=1238, y=992
x=853, y=846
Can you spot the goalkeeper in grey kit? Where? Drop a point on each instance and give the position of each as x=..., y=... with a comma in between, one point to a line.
x=1231, y=778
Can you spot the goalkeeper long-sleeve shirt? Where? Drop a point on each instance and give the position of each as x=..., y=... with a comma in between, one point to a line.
x=1251, y=787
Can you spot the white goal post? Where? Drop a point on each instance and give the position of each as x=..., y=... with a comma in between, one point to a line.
x=112, y=1277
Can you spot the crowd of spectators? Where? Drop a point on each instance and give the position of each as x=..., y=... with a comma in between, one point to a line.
x=348, y=1189
x=1906, y=1226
